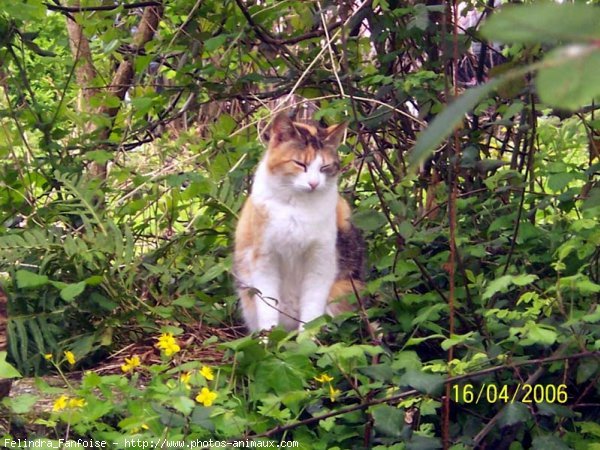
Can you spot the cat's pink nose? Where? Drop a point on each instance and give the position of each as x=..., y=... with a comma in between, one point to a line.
x=313, y=185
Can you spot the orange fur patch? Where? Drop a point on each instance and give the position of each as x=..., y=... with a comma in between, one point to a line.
x=312, y=130
x=343, y=213
x=339, y=296
x=249, y=232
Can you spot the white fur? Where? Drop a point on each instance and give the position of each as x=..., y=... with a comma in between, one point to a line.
x=299, y=264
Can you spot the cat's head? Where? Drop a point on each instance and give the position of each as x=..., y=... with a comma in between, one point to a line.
x=303, y=154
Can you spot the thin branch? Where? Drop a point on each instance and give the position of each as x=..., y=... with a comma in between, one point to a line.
x=76, y=9
x=268, y=38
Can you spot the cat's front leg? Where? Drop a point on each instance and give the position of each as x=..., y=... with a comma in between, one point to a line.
x=266, y=279
x=321, y=268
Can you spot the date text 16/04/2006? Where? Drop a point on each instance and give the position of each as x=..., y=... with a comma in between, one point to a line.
x=522, y=392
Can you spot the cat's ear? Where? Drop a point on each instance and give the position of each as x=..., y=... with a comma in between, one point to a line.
x=334, y=134
x=281, y=129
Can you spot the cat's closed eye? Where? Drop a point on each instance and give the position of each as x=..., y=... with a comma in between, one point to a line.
x=300, y=164
x=325, y=168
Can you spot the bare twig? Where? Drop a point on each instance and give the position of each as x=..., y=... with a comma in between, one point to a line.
x=76, y=9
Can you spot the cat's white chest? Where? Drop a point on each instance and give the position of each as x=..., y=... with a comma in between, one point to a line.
x=300, y=227
x=293, y=228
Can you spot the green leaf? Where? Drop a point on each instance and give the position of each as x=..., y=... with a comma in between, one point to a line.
x=142, y=104
x=369, y=220
x=201, y=417
x=590, y=428
x=497, y=285
x=69, y=293
x=540, y=335
x=558, y=181
x=514, y=413
x=289, y=373
x=586, y=369
x=592, y=317
x=524, y=279
x=99, y=156
x=27, y=279
x=23, y=403
x=6, y=370
x=543, y=22
x=212, y=273
x=185, y=301
x=423, y=382
x=215, y=42
x=183, y=404
x=571, y=78
x=447, y=120
x=418, y=442
x=381, y=372
x=167, y=417
x=33, y=10
x=457, y=339
x=502, y=283
x=548, y=442
x=593, y=198
x=388, y=420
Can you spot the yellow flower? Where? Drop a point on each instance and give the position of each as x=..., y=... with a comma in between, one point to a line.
x=333, y=393
x=48, y=356
x=138, y=429
x=206, y=397
x=207, y=373
x=60, y=403
x=185, y=378
x=70, y=357
x=324, y=378
x=130, y=364
x=76, y=403
x=168, y=343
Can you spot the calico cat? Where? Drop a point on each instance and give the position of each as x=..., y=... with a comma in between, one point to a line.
x=296, y=250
